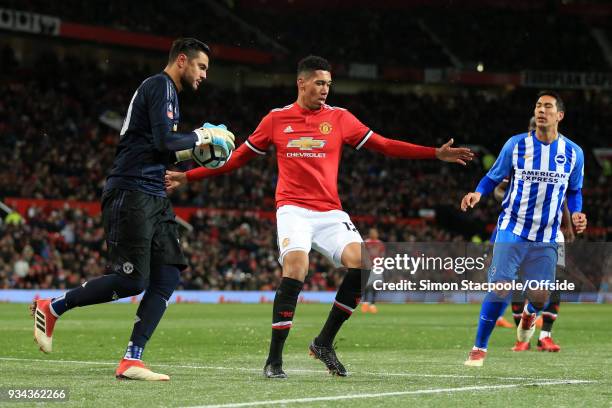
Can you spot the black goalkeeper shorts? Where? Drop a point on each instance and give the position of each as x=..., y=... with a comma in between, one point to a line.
x=141, y=233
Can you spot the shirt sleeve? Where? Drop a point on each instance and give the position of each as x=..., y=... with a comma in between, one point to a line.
x=503, y=165
x=399, y=149
x=261, y=138
x=577, y=175
x=354, y=133
x=239, y=158
x=574, y=200
x=159, y=96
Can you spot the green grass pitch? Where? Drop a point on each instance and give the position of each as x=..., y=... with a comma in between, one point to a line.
x=406, y=355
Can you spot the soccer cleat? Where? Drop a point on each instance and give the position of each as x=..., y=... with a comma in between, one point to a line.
x=475, y=358
x=136, y=370
x=327, y=355
x=44, y=322
x=521, y=346
x=373, y=309
x=501, y=322
x=548, y=344
x=526, y=327
x=365, y=307
x=274, y=371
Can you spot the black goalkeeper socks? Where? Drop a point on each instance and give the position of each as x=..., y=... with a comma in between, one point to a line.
x=347, y=299
x=154, y=303
x=282, y=316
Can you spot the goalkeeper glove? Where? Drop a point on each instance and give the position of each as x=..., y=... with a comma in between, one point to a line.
x=209, y=133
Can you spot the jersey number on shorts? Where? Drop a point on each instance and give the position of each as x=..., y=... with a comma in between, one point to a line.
x=349, y=226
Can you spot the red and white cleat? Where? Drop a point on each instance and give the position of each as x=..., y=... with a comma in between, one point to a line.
x=521, y=346
x=548, y=344
x=526, y=327
x=136, y=370
x=476, y=358
x=44, y=322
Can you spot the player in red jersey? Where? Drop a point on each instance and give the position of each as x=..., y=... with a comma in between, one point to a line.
x=308, y=136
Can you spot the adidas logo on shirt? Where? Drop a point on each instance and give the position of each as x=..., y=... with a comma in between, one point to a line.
x=288, y=129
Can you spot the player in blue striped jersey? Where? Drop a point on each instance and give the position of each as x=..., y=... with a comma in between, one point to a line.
x=545, y=169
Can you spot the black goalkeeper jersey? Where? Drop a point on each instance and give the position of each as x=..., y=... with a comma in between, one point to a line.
x=142, y=157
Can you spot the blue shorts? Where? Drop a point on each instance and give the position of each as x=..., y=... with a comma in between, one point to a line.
x=513, y=253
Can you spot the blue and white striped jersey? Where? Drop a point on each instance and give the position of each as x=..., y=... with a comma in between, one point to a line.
x=540, y=176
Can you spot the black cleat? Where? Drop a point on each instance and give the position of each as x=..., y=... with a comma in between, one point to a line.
x=274, y=371
x=327, y=355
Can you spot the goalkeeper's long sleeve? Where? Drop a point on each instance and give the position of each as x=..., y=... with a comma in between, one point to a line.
x=399, y=149
x=165, y=140
x=239, y=158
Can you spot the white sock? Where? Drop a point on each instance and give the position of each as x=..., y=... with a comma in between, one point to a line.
x=544, y=333
x=479, y=348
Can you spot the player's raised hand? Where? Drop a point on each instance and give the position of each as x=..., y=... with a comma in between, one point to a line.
x=470, y=200
x=580, y=222
x=459, y=155
x=174, y=179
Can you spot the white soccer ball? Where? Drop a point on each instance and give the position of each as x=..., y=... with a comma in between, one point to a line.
x=211, y=156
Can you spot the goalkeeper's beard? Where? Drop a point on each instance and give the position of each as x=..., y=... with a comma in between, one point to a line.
x=188, y=86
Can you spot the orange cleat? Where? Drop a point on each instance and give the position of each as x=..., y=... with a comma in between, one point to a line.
x=548, y=344
x=521, y=346
x=475, y=358
x=365, y=307
x=44, y=323
x=501, y=322
x=136, y=370
x=373, y=309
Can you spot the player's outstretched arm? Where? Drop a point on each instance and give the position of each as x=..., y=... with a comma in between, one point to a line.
x=459, y=155
x=174, y=179
x=405, y=150
x=241, y=156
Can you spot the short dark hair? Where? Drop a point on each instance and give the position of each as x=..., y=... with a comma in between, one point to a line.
x=313, y=63
x=560, y=104
x=187, y=46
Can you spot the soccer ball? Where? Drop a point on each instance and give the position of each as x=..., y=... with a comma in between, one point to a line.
x=211, y=156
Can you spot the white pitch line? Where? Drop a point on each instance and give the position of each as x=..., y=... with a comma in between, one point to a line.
x=199, y=367
x=387, y=394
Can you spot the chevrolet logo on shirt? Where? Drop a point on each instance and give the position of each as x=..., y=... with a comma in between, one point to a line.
x=306, y=143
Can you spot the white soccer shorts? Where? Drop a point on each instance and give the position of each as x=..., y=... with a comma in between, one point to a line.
x=327, y=232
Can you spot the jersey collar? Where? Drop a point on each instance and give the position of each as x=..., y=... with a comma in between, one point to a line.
x=306, y=111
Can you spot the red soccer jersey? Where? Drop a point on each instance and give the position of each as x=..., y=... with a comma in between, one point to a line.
x=308, y=150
